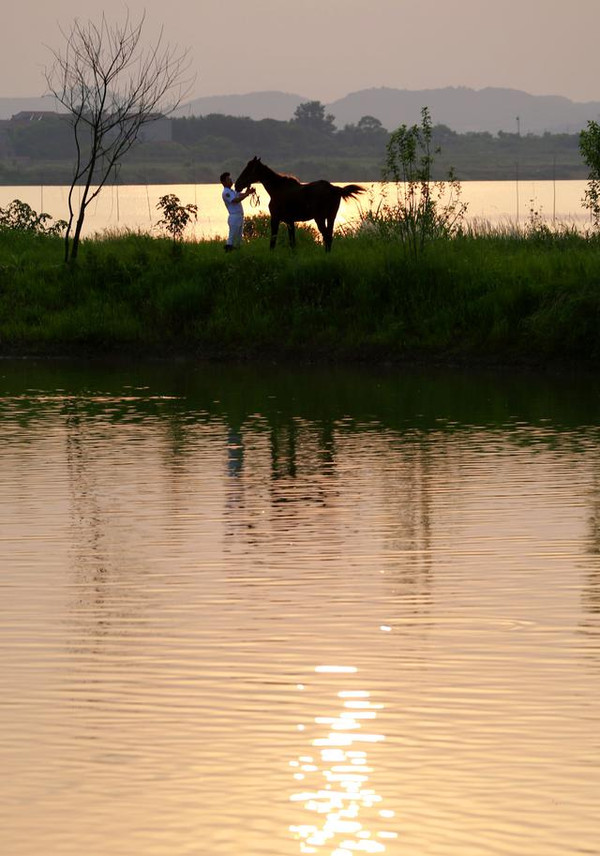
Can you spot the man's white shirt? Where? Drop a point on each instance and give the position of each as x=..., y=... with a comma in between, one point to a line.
x=235, y=208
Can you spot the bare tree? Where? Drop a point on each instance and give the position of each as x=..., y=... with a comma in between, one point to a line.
x=111, y=87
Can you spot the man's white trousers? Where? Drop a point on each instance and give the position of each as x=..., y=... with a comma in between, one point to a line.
x=236, y=225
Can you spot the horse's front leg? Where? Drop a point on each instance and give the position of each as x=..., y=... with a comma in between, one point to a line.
x=291, y=227
x=274, y=229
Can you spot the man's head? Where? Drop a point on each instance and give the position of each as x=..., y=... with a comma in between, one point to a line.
x=226, y=179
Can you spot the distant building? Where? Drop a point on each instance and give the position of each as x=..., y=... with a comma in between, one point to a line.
x=35, y=115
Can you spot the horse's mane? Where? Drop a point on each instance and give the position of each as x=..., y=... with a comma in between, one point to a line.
x=286, y=175
x=289, y=177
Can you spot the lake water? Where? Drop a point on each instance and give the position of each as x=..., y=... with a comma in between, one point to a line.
x=134, y=206
x=250, y=610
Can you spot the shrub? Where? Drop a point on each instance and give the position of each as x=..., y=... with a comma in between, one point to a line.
x=176, y=217
x=589, y=145
x=424, y=209
x=20, y=217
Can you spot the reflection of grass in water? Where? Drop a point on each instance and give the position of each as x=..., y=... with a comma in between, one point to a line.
x=530, y=296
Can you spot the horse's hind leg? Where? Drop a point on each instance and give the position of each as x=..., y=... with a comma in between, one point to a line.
x=274, y=230
x=329, y=224
x=326, y=230
x=328, y=235
x=322, y=227
x=291, y=227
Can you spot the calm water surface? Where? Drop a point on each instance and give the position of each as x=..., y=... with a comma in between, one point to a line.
x=499, y=203
x=259, y=611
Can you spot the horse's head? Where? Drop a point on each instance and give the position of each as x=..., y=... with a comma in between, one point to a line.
x=248, y=175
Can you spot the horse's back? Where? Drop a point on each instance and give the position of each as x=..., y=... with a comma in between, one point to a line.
x=296, y=201
x=320, y=187
x=322, y=190
x=325, y=188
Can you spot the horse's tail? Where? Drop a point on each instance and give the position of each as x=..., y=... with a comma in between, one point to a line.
x=351, y=191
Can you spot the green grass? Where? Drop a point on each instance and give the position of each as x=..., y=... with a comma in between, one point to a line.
x=491, y=297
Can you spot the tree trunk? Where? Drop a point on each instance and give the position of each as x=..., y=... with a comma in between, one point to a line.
x=77, y=235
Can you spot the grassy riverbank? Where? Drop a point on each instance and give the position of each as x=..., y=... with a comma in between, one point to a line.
x=496, y=297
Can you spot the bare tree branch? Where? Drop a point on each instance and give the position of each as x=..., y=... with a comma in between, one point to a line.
x=111, y=87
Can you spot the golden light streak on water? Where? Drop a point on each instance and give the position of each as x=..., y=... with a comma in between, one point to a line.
x=336, y=783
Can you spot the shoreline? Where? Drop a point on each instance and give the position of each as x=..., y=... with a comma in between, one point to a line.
x=509, y=302
x=284, y=358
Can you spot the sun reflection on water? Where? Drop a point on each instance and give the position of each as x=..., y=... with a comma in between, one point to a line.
x=344, y=812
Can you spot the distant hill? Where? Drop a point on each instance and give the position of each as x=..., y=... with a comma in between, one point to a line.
x=461, y=108
x=254, y=105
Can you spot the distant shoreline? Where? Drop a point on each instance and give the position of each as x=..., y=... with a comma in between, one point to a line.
x=308, y=172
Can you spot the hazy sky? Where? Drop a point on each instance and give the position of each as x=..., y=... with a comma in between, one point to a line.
x=323, y=49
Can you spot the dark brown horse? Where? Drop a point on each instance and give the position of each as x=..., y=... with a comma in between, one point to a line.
x=293, y=202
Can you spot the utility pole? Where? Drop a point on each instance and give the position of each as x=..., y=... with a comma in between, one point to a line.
x=517, y=165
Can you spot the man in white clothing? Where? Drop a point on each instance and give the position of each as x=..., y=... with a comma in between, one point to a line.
x=233, y=203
